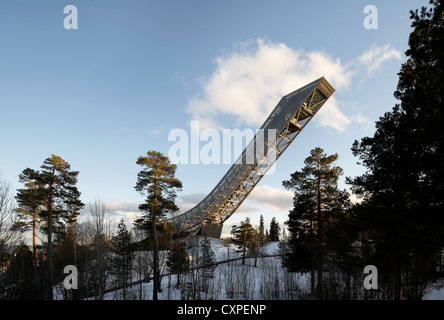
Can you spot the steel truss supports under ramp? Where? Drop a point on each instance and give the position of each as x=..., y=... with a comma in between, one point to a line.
x=282, y=126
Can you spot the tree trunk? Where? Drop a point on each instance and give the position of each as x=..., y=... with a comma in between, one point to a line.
x=49, y=253
x=397, y=285
x=244, y=248
x=34, y=245
x=312, y=267
x=155, y=259
x=320, y=267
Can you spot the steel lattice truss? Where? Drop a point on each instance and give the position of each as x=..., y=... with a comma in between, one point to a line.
x=282, y=126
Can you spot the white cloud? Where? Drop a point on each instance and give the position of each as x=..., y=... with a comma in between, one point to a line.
x=275, y=199
x=132, y=215
x=247, y=84
x=372, y=59
x=246, y=210
x=126, y=210
x=332, y=117
x=126, y=206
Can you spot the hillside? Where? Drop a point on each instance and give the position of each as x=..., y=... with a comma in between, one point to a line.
x=232, y=280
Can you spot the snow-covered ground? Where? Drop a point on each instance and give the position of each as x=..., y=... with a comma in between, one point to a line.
x=232, y=280
x=435, y=291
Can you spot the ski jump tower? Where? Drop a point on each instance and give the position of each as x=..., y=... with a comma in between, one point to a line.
x=289, y=117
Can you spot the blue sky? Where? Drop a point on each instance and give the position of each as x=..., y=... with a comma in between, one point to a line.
x=106, y=93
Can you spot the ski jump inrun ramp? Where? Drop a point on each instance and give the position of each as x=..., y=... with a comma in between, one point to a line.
x=289, y=117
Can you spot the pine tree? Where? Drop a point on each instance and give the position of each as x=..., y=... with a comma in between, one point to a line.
x=208, y=255
x=402, y=190
x=302, y=239
x=245, y=236
x=261, y=231
x=260, y=240
x=274, y=230
x=122, y=258
x=178, y=260
x=316, y=196
x=302, y=235
x=52, y=194
x=30, y=202
x=283, y=247
x=158, y=183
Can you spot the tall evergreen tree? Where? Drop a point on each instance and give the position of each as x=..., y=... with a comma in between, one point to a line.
x=157, y=182
x=208, y=258
x=122, y=258
x=274, y=230
x=261, y=231
x=52, y=194
x=30, y=202
x=316, y=196
x=178, y=260
x=207, y=254
x=302, y=240
x=403, y=187
x=245, y=237
x=61, y=201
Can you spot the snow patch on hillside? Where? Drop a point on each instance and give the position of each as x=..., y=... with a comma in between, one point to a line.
x=231, y=281
x=263, y=278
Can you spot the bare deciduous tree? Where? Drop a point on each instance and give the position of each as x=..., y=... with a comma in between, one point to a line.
x=96, y=230
x=8, y=217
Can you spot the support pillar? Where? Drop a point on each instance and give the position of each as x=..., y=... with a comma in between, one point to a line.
x=211, y=229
